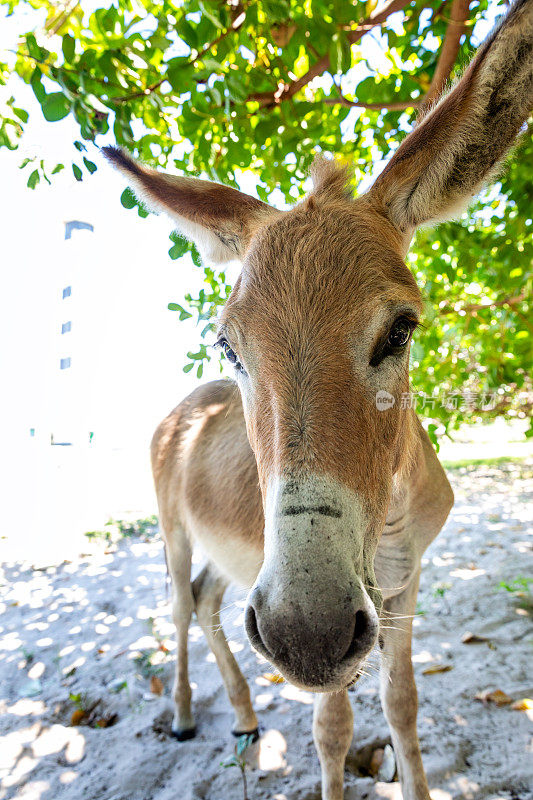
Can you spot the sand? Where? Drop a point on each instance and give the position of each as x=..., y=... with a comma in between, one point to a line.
x=70, y=633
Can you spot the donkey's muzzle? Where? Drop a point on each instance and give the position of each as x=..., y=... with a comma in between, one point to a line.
x=319, y=650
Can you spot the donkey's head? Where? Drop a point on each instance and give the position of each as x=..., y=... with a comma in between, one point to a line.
x=318, y=328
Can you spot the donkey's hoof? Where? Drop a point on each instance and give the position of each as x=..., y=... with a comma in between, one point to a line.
x=183, y=734
x=254, y=734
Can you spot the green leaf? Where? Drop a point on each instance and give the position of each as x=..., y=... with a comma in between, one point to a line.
x=21, y=113
x=182, y=313
x=128, y=199
x=210, y=10
x=187, y=32
x=77, y=172
x=55, y=107
x=432, y=428
x=37, y=86
x=33, y=179
x=188, y=367
x=179, y=71
x=91, y=166
x=236, y=88
x=25, y=162
x=33, y=48
x=276, y=10
x=243, y=742
x=57, y=168
x=179, y=248
x=69, y=48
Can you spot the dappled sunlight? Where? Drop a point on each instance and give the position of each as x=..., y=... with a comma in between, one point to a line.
x=272, y=751
x=423, y=658
x=93, y=633
x=389, y=791
x=467, y=574
x=298, y=695
x=62, y=623
x=263, y=699
x=439, y=794
x=26, y=708
x=37, y=670
x=68, y=776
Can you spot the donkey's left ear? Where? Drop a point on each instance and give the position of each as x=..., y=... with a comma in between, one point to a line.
x=218, y=219
x=456, y=148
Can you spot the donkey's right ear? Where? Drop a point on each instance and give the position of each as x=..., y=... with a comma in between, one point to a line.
x=218, y=219
x=458, y=145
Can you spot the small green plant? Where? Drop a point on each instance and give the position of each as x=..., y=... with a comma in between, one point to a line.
x=116, y=529
x=81, y=701
x=145, y=665
x=439, y=591
x=518, y=585
x=95, y=535
x=119, y=687
x=520, y=590
x=238, y=759
x=140, y=527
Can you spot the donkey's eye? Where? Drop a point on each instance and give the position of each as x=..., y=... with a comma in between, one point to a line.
x=398, y=337
x=230, y=354
x=400, y=333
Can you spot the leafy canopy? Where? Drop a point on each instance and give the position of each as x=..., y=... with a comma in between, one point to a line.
x=218, y=88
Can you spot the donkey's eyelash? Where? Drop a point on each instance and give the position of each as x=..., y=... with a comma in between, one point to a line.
x=229, y=353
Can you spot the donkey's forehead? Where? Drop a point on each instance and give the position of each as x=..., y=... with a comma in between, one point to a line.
x=328, y=254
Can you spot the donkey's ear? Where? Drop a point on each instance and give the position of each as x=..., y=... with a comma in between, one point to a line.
x=218, y=219
x=456, y=147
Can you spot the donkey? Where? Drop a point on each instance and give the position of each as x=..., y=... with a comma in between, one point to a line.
x=305, y=479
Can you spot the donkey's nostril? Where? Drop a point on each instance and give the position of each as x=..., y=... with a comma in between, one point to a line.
x=361, y=624
x=363, y=636
x=252, y=630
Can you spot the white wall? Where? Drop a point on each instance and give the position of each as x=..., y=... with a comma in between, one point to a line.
x=136, y=347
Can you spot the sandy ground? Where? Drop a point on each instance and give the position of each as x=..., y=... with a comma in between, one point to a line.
x=86, y=634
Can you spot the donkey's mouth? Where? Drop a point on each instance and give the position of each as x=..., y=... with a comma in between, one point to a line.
x=309, y=666
x=354, y=680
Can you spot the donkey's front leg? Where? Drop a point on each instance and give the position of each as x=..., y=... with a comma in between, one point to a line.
x=333, y=733
x=398, y=691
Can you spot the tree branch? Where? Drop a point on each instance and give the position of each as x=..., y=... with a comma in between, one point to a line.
x=507, y=301
x=459, y=14
x=235, y=25
x=288, y=90
x=55, y=24
x=399, y=105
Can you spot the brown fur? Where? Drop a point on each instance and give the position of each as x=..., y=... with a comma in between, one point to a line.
x=310, y=286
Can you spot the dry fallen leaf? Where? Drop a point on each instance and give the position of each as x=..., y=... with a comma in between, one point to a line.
x=525, y=704
x=436, y=668
x=472, y=638
x=156, y=685
x=106, y=722
x=273, y=677
x=497, y=697
x=77, y=716
x=376, y=761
